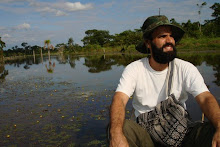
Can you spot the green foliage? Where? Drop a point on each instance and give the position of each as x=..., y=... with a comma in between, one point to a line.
x=2, y=45
x=191, y=29
x=127, y=38
x=94, y=36
x=93, y=47
x=216, y=13
x=203, y=43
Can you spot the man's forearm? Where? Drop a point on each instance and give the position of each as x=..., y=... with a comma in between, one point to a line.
x=210, y=108
x=117, y=116
x=117, y=112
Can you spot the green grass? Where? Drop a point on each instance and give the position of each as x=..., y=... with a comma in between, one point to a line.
x=199, y=44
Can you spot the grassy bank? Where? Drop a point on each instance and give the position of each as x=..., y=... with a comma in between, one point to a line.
x=199, y=44
x=186, y=45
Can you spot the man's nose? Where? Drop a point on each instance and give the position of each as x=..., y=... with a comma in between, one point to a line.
x=170, y=39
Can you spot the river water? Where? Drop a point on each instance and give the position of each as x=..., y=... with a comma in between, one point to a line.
x=65, y=102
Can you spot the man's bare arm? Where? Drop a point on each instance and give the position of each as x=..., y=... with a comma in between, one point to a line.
x=211, y=109
x=117, y=117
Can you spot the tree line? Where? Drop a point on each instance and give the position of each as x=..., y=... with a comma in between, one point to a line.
x=100, y=40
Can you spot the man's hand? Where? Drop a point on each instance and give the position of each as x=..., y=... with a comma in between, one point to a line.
x=210, y=108
x=118, y=140
x=216, y=139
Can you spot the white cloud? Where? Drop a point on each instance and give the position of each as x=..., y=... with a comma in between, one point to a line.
x=6, y=36
x=60, y=13
x=76, y=6
x=51, y=10
x=25, y=26
x=45, y=9
x=58, y=8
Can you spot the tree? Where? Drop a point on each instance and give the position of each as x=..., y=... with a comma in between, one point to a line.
x=2, y=45
x=61, y=47
x=70, y=44
x=127, y=38
x=211, y=27
x=24, y=44
x=216, y=13
x=191, y=29
x=99, y=37
x=199, y=12
x=70, y=41
x=48, y=46
x=173, y=21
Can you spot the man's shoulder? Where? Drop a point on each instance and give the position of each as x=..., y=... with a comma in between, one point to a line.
x=137, y=65
x=139, y=62
x=180, y=62
x=184, y=65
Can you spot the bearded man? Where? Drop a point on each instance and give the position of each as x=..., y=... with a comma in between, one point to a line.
x=146, y=78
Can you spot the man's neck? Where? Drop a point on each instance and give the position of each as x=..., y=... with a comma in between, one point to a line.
x=157, y=66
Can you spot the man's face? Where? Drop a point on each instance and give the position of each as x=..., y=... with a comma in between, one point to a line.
x=163, y=45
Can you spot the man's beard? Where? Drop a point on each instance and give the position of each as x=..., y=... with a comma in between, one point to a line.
x=163, y=57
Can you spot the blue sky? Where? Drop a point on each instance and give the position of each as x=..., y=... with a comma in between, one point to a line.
x=34, y=21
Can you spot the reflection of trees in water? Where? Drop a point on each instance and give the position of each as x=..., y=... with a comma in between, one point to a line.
x=62, y=59
x=194, y=59
x=3, y=72
x=72, y=60
x=127, y=59
x=100, y=63
x=210, y=59
x=50, y=67
x=214, y=60
x=27, y=61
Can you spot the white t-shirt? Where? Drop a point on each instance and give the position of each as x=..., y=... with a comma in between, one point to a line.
x=148, y=86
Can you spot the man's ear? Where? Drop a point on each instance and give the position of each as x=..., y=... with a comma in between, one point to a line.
x=147, y=43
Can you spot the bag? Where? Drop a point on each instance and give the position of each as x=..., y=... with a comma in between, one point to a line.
x=167, y=123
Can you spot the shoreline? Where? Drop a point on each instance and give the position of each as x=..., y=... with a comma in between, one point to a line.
x=11, y=58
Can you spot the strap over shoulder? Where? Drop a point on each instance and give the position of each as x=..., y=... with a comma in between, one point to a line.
x=169, y=77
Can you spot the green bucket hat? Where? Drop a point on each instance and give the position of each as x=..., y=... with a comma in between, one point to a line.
x=152, y=23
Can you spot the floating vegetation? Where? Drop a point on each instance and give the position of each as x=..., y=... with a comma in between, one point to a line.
x=94, y=143
x=52, y=116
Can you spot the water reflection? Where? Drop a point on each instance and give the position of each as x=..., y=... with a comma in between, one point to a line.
x=50, y=67
x=100, y=63
x=3, y=72
x=210, y=59
x=70, y=106
x=214, y=61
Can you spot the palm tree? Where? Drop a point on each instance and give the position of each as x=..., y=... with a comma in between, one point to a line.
x=70, y=41
x=24, y=44
x=70, y=44
x=48, y=46
x=199, y=12
x=2, y=45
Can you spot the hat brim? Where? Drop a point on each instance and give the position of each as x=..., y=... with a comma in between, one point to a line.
x=177, y=33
